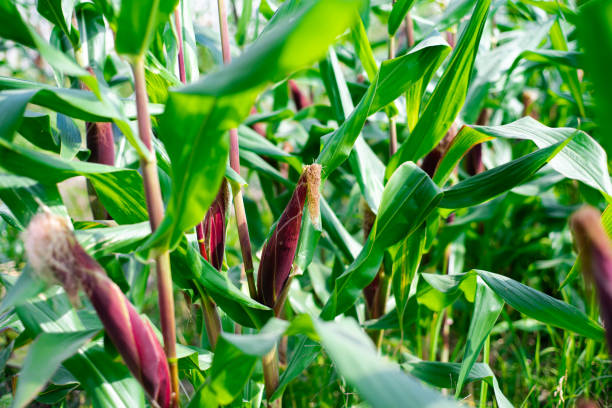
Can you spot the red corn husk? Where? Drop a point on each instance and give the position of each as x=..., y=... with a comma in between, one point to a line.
x=212, y=246
x=100, y=142
x=299, y=98
x=596, y=259
x=52, y=249
x=279, y=251
x=100, y=139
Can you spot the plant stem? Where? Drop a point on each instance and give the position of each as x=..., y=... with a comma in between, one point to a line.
x=392, y=126
x=155, y=207
x=270, y=370
x=381, y=299
x=179, y=31
x=409, y=30
x=485, y=359
x=241, y=220
x=211, y=317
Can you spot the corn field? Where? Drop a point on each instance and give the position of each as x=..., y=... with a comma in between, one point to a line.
x=305, y=203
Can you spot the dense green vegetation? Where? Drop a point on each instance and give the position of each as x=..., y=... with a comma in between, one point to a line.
x=326, y=203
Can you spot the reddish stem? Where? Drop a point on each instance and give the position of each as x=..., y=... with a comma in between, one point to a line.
x=241, y=220
x=155, y=207
x=179, y=31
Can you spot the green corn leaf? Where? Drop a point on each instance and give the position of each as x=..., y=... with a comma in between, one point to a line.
x=491, y=65
x=136, y=23
x=37, y=129
x=409, y=196
x=529, y=301
x=398, y=12
x=102, y=106
x=405, y=266
x=487, y=307
x=252, y=141
x=99, y=242
x=582, y=159
x=445, y=375
x=306, y=351
x=394, y=78
x=461, y=144
x=366, y=166
x=243, y=21
x=379, y=382
x=595, y=34
x=53, y=349
x=569, y=75
x=364, y=49
x=448, y=96
x=26, y=286
x=240, y=307
x=196, y=117
x=238, y=355
x=570, y=59
x=491, y=183
x=542, y=307
x=75, y=103
x=348, y=245
x=108, y=383
x=120, y=190
x=23, y=196
x=439, y=291
x=59, y=12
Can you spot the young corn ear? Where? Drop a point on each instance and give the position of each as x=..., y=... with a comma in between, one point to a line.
x=53, y=251
x=596, y=259
x=279, y=251
x=212, y=243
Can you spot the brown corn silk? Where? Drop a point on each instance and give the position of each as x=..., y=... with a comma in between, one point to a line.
x=53, y=251
x=596, y=259
x=278, y=252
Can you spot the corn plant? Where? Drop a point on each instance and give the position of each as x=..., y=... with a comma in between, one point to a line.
x=305, y=203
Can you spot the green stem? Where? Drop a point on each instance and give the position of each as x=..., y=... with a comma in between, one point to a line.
x=211, y=317
x=155, y=207
x=485, y=386
x=392, y=125
x=435, y=330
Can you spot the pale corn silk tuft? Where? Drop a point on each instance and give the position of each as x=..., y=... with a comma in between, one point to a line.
x=48, y=242
x=313, y=181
